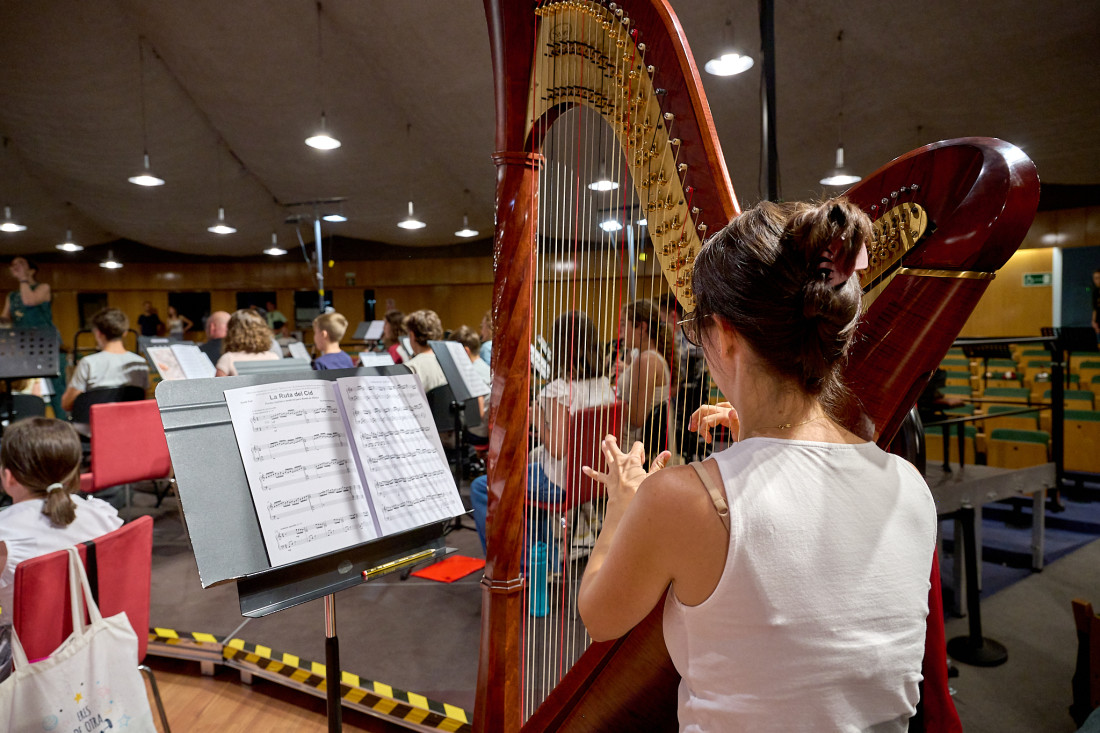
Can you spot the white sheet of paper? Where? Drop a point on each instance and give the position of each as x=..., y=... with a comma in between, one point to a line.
x=372, y=358
x=374, y=331
x=475, y=385
x=193, y=361
x=298, y=350
x=404, y=466
x=539, y=364
x=303, y=479
x=166, y=362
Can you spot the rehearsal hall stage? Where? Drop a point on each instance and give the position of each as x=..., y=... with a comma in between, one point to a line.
x=421, y=636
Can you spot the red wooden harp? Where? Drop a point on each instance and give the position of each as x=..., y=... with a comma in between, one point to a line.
x=947, y=216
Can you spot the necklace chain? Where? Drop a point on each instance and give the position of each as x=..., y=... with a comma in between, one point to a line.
x=788, y=426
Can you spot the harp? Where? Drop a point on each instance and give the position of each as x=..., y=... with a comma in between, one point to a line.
x=947, y=216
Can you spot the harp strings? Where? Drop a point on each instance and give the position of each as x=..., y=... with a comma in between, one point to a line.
x=579, y=266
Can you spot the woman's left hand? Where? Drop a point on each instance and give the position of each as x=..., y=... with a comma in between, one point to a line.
x=624, y=473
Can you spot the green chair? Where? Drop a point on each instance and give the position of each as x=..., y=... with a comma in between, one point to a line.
x=1008, y=395
x=1082, y=441
x=956, y=389
x=1019, y=421
x=933, y=440
x=1074, y=399
x=1007, y=448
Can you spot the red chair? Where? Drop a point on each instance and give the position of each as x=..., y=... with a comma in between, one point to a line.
x=583, y=435
x=119, y=566
x=128, y=446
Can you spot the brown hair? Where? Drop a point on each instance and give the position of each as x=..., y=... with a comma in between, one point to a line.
x=39, y=452
x=334, y=323
x=111, y=322
x=649, y=313
x=466, y=336
x=763, y=273
x=425, y=326
x=248, y=333
x=396, y=319
x=576, y=347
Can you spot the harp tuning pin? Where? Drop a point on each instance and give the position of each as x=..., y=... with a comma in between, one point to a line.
x=669, y=116
x=701, y=227
x=689, y=190
x=695, y=211
x=914, y=187
x=618, y=12
x=884, y=201
x=682, y=167
x=660, y=91
x=641, y=46
x=674, y=142
x=893, y=194
x=651, y=69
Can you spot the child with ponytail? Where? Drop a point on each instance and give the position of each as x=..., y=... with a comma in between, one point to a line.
x=40, y=470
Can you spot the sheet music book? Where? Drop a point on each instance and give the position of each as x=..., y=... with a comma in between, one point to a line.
x=334, y=464
x=180, y=361
x=459, y=370
x=298, y=350
x=375, y=358
x=374, y=332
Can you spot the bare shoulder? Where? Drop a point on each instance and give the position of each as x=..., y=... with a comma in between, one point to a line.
x=676, y=493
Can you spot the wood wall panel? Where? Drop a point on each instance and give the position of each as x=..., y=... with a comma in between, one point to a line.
x=1010, y=309
x=459, y=289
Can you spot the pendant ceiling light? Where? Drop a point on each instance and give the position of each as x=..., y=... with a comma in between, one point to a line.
x=321, y=140
x=732, y=61
x=466, y=232
x=145, y=176
x=840, y=175
x=9, y=224
x=219, y=226
x=410, y=221
x=110, y=263
x=69, y=245
x=274, y=250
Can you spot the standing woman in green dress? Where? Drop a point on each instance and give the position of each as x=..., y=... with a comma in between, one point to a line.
x=29, y=307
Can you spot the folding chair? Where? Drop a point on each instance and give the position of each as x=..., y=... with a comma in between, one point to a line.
x=128, y=446
x=1082, y=441
x=1017, y=448
x=119, y=566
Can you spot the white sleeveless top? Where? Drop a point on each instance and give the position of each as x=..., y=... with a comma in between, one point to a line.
x=818, y=620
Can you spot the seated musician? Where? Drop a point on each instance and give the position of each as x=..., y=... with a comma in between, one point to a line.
x=578, y=383
x=423, y=326
x=247, y=338
x=112, y=365
x=796, y=561
x=645, y=375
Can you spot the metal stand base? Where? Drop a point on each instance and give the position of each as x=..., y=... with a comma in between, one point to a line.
x=986, y=653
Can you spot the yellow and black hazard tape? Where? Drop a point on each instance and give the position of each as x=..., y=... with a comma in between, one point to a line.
x=359, y=693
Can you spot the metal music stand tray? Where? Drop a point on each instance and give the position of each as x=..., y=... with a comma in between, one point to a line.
x=221, y=520
x=26, y=354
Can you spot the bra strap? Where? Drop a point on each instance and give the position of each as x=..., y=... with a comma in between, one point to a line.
x=716, y=494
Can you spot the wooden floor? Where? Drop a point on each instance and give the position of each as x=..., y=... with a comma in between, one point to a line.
x=222, y=703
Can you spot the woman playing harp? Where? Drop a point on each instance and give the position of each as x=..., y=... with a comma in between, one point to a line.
x=799, y=557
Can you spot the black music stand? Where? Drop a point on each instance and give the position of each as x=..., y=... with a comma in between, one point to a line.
x=221, y=520
x=26, y=354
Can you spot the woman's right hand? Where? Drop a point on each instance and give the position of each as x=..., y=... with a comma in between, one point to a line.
x=709, y=417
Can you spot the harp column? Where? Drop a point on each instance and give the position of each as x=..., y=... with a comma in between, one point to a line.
x=503, y=584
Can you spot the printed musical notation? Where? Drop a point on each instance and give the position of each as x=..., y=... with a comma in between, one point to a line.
x=300, y=469
x=332, y=465
x=404, y=468
x=295, y=446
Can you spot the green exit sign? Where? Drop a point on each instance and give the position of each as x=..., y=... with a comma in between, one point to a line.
x=1037, y=279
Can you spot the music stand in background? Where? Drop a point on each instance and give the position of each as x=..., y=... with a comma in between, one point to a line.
x=221, y=521
x=26, y=354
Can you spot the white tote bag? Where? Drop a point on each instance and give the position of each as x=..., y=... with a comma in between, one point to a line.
x=90, y=684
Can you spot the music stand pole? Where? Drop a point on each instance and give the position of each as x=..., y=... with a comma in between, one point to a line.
x=332, y=666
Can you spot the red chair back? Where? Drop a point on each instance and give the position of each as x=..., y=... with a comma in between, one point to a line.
x=128, y=444
x=124, y=560
x=585, y=432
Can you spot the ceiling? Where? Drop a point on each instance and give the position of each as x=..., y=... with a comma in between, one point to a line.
x=231, y=89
